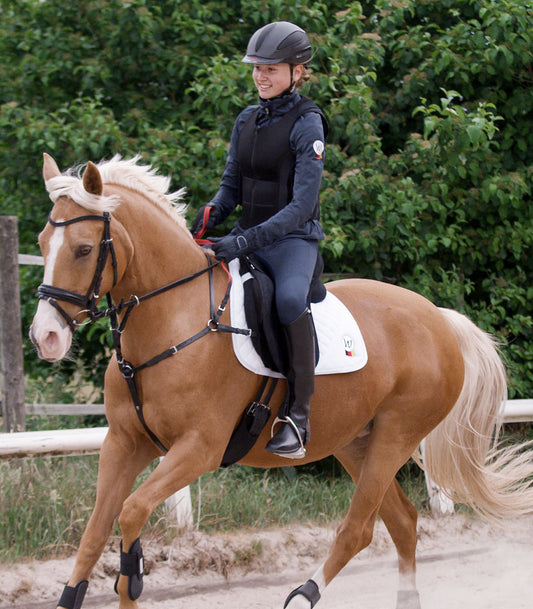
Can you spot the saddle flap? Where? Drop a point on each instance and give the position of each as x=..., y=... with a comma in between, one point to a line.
x=261, y=314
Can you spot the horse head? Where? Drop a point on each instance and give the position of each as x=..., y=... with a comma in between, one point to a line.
x=83, y=258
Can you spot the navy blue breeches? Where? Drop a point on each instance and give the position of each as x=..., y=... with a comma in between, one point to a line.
x=291, y=263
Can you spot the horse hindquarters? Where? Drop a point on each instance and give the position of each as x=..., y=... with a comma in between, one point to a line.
x=411, y=382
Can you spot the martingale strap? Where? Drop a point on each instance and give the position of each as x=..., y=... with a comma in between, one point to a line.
x=89, y=304
x=129, y=371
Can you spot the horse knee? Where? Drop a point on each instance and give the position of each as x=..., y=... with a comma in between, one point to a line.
x=132, y=517
x=350, y=542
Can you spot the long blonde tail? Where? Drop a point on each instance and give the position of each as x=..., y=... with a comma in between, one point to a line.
x=462, y=455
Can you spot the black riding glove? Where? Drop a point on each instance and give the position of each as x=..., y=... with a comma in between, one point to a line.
x=230, y=247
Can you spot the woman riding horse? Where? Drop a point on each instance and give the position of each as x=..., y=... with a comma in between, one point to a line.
x=273, y=170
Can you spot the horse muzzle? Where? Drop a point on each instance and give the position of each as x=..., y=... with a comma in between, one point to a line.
x=50, y=334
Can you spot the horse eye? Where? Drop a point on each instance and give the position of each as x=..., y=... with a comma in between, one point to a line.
x=83, y=250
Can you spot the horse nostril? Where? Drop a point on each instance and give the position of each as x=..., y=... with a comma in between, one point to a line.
x=51, y=340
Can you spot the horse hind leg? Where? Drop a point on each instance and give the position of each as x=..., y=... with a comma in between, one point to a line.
x=355, y=533
x=400, y=518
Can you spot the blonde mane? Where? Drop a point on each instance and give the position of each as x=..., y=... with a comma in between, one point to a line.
x=120, y=172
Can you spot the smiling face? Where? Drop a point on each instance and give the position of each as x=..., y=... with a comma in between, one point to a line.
x=272, y=79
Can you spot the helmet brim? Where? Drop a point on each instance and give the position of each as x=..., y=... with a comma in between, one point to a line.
x=264, y=61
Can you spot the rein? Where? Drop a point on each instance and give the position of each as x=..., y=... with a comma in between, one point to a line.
x=90, y=303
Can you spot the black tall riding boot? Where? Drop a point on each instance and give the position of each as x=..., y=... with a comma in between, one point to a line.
x=293, y=432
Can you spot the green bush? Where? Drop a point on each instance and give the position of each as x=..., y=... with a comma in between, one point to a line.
x=430, y=155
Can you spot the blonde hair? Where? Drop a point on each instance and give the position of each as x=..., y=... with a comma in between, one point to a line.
x=306, y=75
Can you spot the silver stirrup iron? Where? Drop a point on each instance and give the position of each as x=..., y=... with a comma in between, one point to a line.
x=299, y=453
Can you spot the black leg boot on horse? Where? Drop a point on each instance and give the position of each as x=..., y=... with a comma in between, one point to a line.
x=293, y=433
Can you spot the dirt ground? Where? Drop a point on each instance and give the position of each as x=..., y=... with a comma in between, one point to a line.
x=462, y=564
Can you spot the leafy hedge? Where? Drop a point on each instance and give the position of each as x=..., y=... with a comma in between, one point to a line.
x=430, y=155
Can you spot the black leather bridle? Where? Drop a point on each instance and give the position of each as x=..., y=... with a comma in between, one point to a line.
x=89, y=304
x=88, y=301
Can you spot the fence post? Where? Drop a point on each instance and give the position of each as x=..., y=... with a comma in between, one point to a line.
x=11, y=359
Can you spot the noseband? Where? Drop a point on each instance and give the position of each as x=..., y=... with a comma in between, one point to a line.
x=89, y=301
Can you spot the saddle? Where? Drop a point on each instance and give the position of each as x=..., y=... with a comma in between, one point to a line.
x=269, y=342
x=342, y=348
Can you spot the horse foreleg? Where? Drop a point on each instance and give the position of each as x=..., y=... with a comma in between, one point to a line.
x=182, y=465
x=118, y=467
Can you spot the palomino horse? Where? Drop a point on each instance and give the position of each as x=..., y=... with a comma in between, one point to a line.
x=431, y=374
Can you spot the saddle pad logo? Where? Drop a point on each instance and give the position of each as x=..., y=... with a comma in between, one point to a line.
x=348, y=346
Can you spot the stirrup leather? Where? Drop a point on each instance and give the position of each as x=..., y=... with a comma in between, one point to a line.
x=301, y=451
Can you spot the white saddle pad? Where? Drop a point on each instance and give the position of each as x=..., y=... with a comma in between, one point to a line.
x=341, y=345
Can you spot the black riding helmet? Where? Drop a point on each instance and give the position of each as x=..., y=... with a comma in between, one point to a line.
x=278, y=42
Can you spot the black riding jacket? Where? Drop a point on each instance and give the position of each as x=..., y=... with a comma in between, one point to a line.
x=274, y=168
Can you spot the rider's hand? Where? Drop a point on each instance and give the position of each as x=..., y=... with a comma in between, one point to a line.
x=230, y=246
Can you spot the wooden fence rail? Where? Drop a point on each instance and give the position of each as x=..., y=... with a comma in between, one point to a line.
x=89, y=440
x=179, y=507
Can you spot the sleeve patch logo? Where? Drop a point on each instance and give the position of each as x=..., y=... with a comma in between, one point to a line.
x=318, y=147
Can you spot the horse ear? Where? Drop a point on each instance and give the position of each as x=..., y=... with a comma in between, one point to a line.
x=50, y=168
x=92, y=180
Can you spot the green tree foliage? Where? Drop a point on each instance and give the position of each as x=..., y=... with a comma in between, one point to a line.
x=430, y=155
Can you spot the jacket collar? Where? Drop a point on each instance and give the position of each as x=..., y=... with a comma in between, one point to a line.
x=277, y=106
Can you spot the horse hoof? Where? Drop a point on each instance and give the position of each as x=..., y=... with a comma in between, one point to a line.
x=408, y=599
